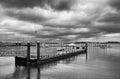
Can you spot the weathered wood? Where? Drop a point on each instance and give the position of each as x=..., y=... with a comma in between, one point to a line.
x=48, y=58
x=86, y=45
x=28, y=51
x=44, y=60
x=38, y=50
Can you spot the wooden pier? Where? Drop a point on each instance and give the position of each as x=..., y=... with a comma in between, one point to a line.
x=42, y=59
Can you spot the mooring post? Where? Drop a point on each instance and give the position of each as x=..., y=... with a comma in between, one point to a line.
x=86, y=50
x=38, y=50
x=28, y=51
x=86, y=46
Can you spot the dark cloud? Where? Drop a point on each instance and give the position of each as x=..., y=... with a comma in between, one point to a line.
x=56, y=34
x=55, y=4
x=63, y=5
x=63, y=35
x=55, y=23
x=62, y=25
x=22, y=3
x=111, y=18
x=27, y=16
x=115, y=4
x=108, y=28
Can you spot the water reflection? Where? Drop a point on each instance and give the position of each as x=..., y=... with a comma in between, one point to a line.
x=38, y=72
x=28, y=72
x=21, y=72
x=68, y=60
x=101, y=64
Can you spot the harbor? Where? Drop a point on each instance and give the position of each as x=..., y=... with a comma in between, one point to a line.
x=39, y=59
x=101, y=63
x=59, y=39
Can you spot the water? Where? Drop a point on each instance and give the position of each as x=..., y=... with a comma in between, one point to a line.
x=100, y=64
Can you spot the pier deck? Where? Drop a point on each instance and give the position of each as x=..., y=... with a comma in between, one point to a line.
x=22, y=60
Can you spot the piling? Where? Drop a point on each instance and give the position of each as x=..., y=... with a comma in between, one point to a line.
x=28, y=51
x=86, y=45
x=38, y=50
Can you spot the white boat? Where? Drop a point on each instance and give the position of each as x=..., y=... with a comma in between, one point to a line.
x=59, y=49
x=72, y=44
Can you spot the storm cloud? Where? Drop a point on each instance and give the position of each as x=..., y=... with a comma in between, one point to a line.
x=55, y=4
x=115, y=4
x=60, y=19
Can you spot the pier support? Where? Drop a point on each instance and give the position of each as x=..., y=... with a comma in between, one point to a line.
x=86, y=45
x=28, y=51
x=38, y=51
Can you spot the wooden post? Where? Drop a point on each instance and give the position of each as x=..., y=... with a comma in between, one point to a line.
x=28, y=51
x=86, y=50
x=38, y=50
x=86, y=47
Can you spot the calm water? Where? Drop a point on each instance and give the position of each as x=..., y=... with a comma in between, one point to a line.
x=100, y=64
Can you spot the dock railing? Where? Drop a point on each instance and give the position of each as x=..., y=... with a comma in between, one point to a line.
x=39, y=49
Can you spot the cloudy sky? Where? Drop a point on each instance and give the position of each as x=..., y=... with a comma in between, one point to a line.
x=60, y=19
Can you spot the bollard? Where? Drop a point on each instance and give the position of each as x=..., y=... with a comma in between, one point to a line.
x=28, y=51
x=86, y=46
x=86, y=51
x=38, y=50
